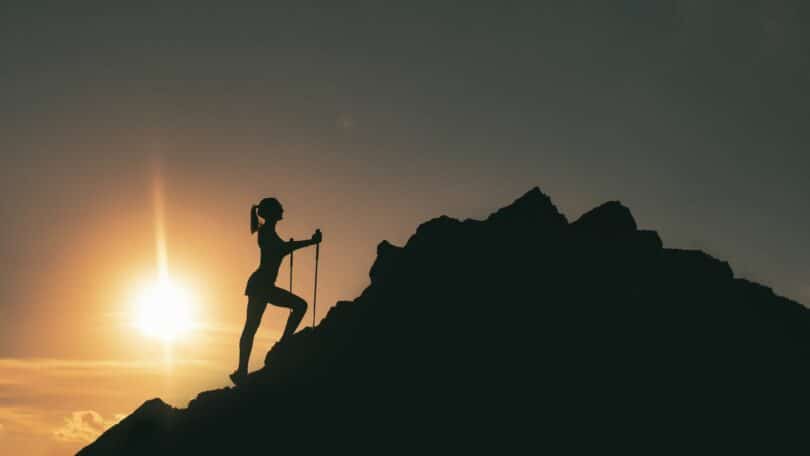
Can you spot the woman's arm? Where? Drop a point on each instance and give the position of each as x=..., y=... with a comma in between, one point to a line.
x=293, y=245
x=290, y=246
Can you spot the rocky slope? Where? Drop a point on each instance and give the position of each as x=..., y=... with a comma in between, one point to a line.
x=491, y=335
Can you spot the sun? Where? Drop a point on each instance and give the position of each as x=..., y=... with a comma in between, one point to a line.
x=163, y=311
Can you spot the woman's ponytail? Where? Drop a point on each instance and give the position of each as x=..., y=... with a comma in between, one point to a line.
x=254, y=219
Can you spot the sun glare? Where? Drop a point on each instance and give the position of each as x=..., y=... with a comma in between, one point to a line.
x=164, y=311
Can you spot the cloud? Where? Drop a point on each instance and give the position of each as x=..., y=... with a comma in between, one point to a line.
x=84, y=426
x=18, y=419
x=63, y=404
x=86, y=365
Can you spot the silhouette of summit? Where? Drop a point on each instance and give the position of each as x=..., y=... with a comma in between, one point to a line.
x=504, y=334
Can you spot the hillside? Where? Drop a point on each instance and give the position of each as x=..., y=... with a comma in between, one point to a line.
x=491, y=335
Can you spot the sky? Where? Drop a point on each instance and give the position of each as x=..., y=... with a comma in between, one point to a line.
x=124, y=126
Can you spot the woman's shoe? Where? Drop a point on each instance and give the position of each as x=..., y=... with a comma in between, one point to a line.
x=237, y=377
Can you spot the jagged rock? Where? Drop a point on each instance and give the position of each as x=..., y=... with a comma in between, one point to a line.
x=608, y=220
x=143, y=430
x=649, y=240
x=698, y=265
x=483, y=335
x=532, y=206
x=387, y=255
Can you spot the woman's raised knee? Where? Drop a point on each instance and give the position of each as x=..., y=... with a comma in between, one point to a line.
x=300, y=306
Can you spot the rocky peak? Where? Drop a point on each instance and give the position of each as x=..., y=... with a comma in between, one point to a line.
x=473, y=326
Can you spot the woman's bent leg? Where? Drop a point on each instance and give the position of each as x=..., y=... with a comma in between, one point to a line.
x=283, y=298
x=255, y=310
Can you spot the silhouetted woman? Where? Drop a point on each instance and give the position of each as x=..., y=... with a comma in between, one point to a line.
x=261, y=286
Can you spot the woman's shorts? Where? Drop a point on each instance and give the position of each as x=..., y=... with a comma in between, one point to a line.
x=260, y=284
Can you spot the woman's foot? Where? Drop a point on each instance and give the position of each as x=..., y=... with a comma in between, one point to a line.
x=237, y=377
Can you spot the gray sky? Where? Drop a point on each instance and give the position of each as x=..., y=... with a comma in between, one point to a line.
x=692, y=113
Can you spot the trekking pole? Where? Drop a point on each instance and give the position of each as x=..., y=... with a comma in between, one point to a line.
x=291, y=258
x=291, y=269
x=315, y=292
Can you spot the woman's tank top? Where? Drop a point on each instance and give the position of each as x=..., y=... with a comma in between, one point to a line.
x=272, y=250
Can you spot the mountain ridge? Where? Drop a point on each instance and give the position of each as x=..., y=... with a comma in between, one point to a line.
x=593, y=314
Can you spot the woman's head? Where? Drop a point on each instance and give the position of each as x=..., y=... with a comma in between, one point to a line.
x=269, y=209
